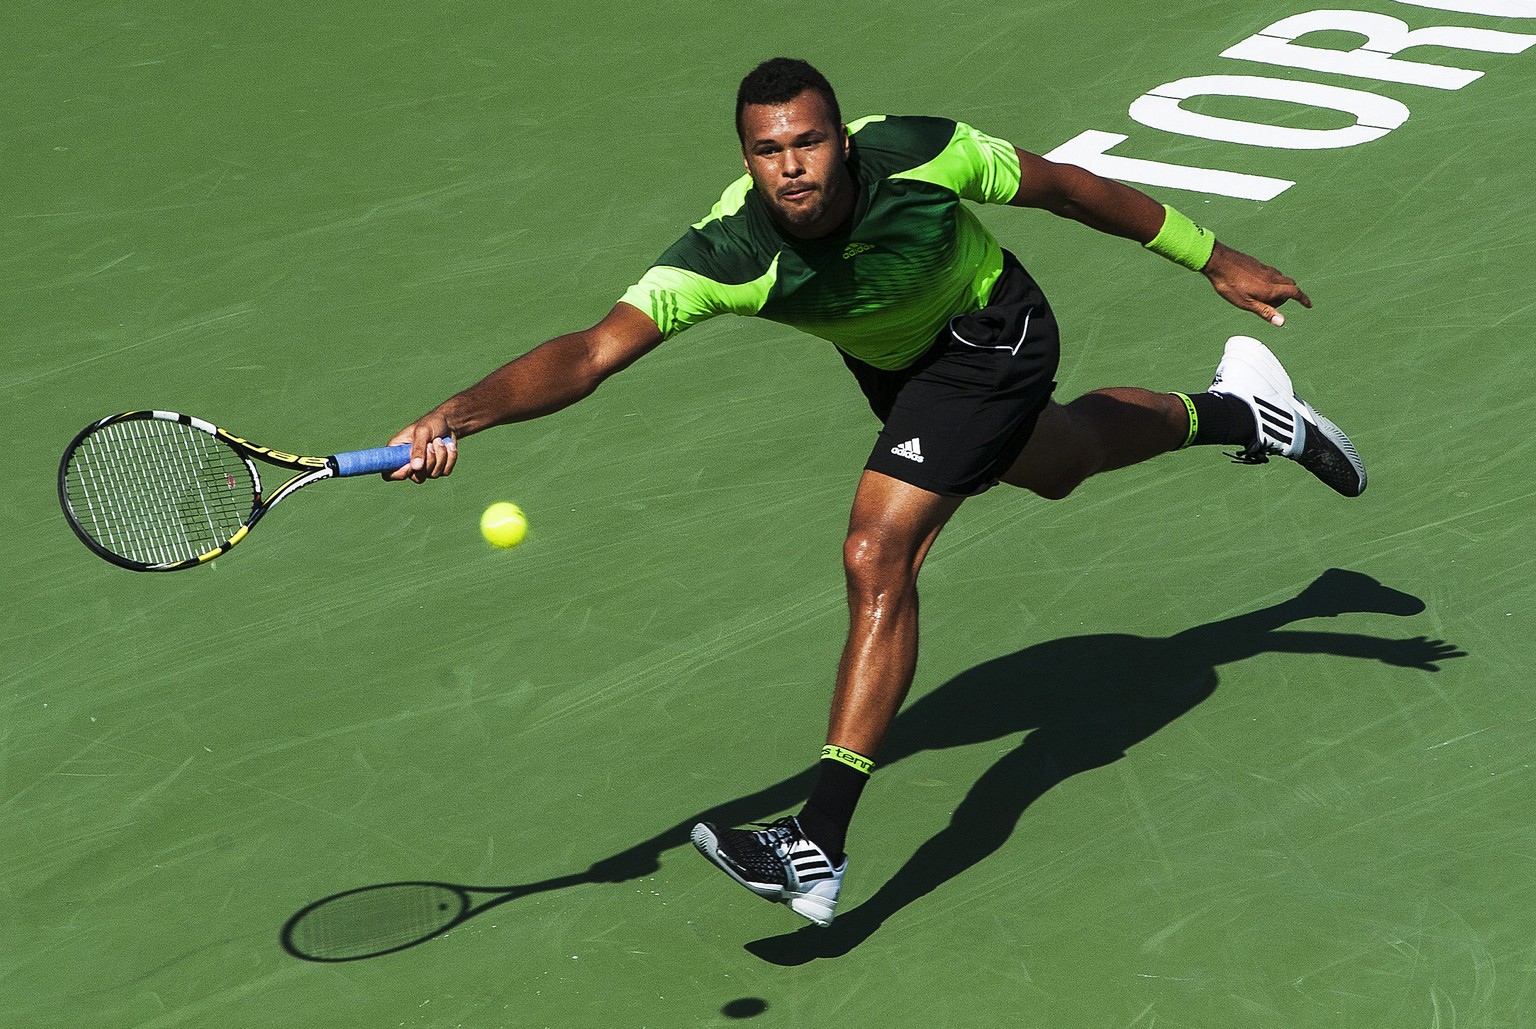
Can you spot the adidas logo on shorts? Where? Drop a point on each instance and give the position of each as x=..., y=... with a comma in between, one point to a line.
x=912, y=450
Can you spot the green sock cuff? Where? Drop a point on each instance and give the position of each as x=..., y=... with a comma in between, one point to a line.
x=858, y=762
x=1194, y=419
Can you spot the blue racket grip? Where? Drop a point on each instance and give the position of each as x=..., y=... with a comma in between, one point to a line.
x=366, y=462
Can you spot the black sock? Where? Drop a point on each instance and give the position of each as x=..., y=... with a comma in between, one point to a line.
x=827, y=813
x=1220, y=419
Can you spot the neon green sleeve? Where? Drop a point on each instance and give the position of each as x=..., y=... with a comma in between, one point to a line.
x=676, y=298
x=977, y=166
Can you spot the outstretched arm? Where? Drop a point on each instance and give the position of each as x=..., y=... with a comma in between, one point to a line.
x=1119, y=210
x=551, y=376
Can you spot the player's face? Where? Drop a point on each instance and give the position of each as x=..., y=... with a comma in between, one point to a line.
x=797, y=155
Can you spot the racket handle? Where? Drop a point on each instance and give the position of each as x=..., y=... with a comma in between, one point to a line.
x=379, y=459
x=366, y=462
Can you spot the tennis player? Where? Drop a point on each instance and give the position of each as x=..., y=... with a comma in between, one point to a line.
x=860, y=234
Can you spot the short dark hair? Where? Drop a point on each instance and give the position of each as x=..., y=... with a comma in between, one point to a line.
x=778, y=81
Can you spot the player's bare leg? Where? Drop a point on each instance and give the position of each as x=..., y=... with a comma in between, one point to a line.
x=799, y=861
x=891, y=529
x=1097, y=432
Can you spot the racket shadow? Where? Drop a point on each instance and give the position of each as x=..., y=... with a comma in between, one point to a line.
x=1081, y=700
x=385, y=918
x=371, y=921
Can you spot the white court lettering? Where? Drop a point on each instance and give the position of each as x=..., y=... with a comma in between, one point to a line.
x=1376, y=58
x=1375, y=115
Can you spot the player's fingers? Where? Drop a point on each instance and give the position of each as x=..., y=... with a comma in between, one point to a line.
x=1263, y=310
x=422, y=458
x=1288, y=291
x=441, y=454
x=421, y=449
x=432, y=465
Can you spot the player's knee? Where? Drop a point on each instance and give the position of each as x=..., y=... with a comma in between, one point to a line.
x=864, y=554
x=875, y=562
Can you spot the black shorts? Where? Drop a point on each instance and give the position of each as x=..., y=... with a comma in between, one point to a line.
x=958, y=417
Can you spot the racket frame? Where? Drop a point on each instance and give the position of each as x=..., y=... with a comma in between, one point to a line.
x=309, y=470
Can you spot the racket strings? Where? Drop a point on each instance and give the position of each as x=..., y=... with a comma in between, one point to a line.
x=375, y=920
x=157, y=491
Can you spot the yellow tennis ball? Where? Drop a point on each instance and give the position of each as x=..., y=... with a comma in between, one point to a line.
x=504, y=524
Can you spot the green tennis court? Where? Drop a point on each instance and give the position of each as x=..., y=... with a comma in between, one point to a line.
x=1202, y=745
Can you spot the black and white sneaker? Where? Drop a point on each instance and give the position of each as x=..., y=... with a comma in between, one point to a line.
x=1288, y=426
x=778, y=863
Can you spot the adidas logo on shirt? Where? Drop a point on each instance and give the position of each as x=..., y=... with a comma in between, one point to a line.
x=912, y=450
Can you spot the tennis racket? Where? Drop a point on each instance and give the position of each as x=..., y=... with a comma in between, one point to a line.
x=376, y=920
x=157, y=491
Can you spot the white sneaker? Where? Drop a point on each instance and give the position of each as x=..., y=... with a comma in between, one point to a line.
x=778, y=862
x=1287, y=425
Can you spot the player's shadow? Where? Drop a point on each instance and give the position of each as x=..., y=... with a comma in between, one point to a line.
x=1087, y=699
x=1082, y=701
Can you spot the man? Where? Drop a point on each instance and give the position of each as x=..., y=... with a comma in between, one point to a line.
x=858, y=234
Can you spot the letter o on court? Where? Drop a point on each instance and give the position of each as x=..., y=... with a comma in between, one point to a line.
x=1375, y=116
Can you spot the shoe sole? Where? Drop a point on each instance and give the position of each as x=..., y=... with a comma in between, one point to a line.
x=1347, y=476
x=818, y=911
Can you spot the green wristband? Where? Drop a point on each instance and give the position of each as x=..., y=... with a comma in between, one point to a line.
x=1183, y=242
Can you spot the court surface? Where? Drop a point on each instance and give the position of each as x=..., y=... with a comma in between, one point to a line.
x=1204, y=745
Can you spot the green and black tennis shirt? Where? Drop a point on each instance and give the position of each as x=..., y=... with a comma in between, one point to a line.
x=882, y=286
